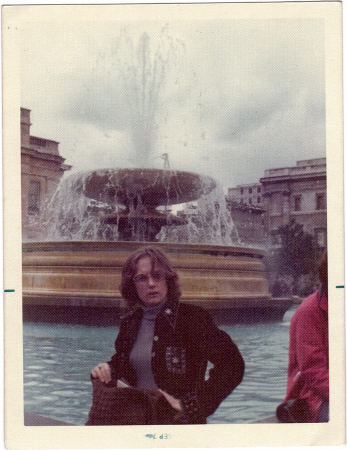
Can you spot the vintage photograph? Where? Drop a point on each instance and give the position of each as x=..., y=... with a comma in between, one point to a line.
x=168, y=216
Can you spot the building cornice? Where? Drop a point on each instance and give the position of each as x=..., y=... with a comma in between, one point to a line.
x=44, y=139
x=291, y=178
x=41, y=155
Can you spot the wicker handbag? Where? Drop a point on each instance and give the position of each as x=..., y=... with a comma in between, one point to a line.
x=128, y=406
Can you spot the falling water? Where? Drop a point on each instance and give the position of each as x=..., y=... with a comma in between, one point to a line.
x=73, y=216
x=209, y=222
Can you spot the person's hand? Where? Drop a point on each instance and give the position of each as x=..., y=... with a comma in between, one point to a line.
x=103, y=372
x=174, y=402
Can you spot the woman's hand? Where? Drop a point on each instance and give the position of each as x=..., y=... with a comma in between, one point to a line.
x=174, y=402
x=103, y=372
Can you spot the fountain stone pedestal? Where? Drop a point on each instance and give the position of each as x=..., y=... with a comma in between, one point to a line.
x=77, y=282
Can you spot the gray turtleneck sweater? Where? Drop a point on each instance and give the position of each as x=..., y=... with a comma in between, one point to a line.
x=141, y=353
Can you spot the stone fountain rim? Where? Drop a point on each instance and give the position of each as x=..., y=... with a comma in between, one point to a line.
x=113, y=246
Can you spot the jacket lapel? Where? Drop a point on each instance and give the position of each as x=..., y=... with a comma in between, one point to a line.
x=170, y=312
x=133, y=321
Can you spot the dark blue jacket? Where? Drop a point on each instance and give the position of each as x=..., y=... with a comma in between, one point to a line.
x=185, y=340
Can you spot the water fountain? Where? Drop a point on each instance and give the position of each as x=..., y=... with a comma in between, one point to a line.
x=101, y=216
x=77, y=280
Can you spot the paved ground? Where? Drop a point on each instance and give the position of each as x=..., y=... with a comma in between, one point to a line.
x=36, y=420
x=272, y=419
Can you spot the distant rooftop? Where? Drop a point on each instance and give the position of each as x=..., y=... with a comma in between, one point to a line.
x=306, y=166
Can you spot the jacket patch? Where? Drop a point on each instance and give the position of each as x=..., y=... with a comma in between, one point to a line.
x=176, y=359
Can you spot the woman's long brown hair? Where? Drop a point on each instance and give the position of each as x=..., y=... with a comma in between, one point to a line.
x=127, y=286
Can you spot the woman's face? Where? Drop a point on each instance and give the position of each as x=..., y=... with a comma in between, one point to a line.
x=150, y=282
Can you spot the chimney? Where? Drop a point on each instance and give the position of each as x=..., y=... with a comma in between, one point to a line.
x=25, y=126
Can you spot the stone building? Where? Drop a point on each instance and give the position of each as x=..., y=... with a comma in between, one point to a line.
x=248, y=194
x=283, y=194
x=297, y=193
x=41, y=170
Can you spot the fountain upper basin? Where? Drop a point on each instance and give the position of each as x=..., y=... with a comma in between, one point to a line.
x=152, y=186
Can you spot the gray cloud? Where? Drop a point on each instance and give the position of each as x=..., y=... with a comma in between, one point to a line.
x=247, y=118
x=238, y=96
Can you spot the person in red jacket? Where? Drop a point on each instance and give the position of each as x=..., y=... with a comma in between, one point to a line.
x=308, y=368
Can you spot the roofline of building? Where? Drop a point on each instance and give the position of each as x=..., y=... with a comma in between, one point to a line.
x=42, y=155
x=295, y=177
x=244, y=206
x=300, y=161
x=44, y=139
x=66, y=167
x=246, y=185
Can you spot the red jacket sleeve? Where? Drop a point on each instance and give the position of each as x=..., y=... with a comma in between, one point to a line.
x=311, y=341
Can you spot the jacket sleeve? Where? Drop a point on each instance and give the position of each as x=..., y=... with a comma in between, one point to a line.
x=226, y=374
x=312, y=358
x=116, y=363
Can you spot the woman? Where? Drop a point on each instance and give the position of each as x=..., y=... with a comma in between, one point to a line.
x=165, y=345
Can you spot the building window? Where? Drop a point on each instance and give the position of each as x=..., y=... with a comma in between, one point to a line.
x=259, y=189
x=320, y=202
x=275, y=238
x=241, y=191
x=259, y=199
x=297, y=203
x=250, y=201
x=34, y=197
x=275, y=204
x=250, y=190
x=320, y=235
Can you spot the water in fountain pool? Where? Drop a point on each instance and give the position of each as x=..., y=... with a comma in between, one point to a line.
x=58, y=360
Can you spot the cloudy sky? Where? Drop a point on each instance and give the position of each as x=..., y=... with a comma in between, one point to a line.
x=229, y=98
